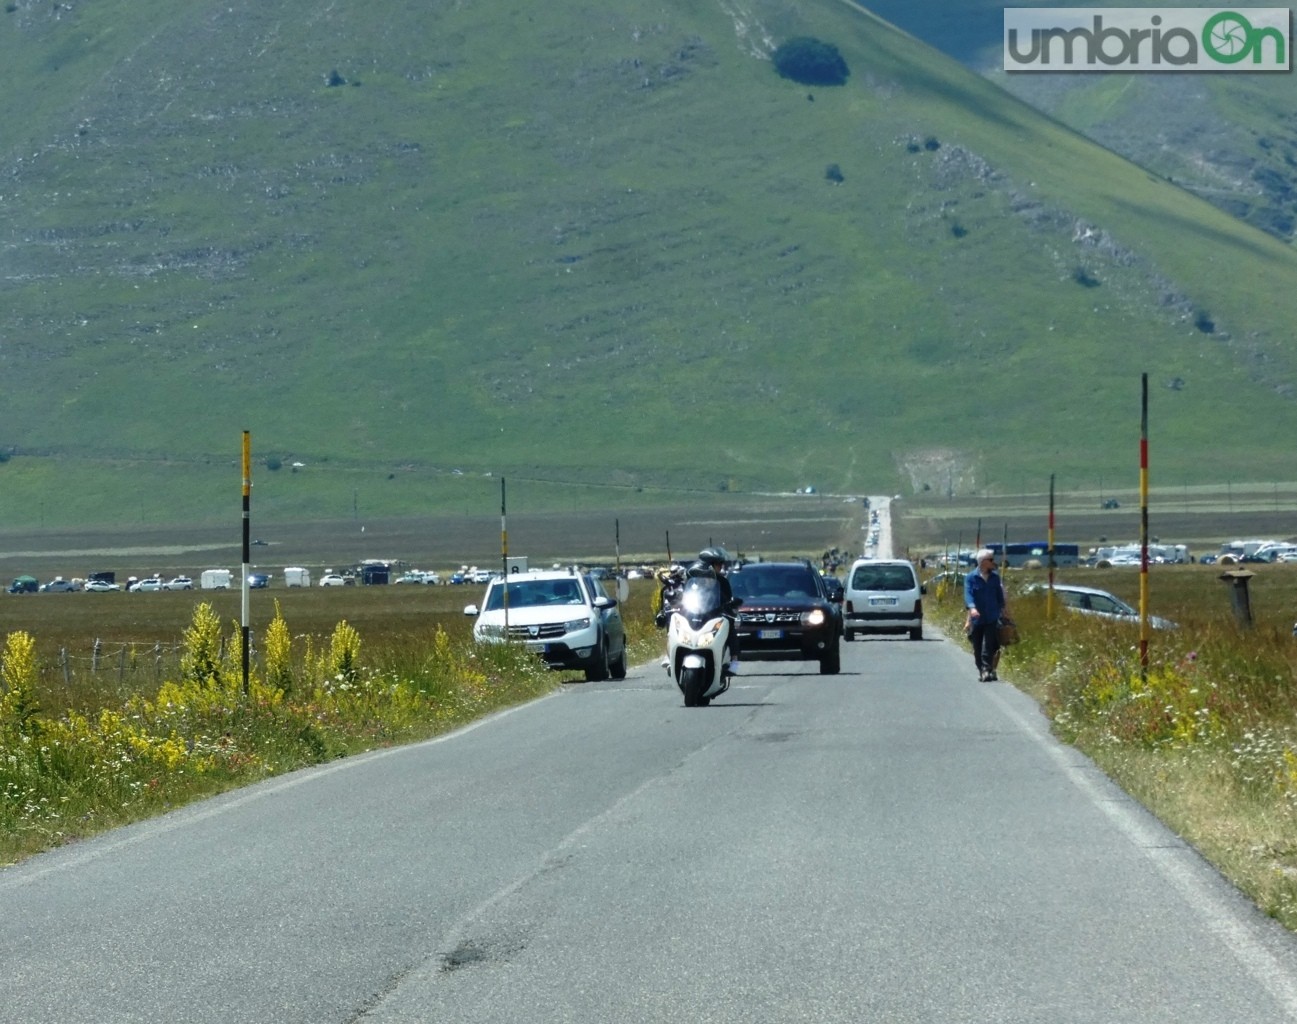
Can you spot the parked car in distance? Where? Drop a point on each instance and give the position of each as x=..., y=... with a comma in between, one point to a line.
x=258, y=580
x=148, y=585
x=100, y=586
x=332, y=579
x=180, y=583
x=786, y=615
x=58, y=585
x=565, y=617
x=425, y=577
x=883, y=595
x=1099, y=603
x=24, y=585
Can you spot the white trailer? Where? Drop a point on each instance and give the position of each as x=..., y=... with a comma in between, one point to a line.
x=215, y=579
x=296, y=576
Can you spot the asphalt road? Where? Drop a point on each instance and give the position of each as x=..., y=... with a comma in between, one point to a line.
x=898, y=843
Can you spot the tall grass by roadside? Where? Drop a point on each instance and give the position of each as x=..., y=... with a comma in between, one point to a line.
x=79, y=758
x=1205, y=737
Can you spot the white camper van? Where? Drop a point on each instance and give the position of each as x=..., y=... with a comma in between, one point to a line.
x=296, y=576
x=215, y=579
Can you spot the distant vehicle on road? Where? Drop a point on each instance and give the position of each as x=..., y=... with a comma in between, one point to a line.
x=258, y=580
x=332, y=579
x=100, y=586
x=148, y=585
x=180, y=583
x=58, y=585
x=24, y=585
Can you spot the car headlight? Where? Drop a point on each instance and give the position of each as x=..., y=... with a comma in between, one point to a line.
x=576, y=625
x=815, y=617
x=491, y=631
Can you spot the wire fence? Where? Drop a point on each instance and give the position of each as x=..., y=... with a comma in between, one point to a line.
x=127, y=663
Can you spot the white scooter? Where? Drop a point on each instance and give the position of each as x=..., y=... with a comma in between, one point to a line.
x=699, y=642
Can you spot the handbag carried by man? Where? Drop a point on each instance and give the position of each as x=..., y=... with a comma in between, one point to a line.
x=1007, y=631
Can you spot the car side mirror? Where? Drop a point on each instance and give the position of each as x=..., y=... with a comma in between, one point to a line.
x=471, y=609
x=923, y=588
x=604, y=602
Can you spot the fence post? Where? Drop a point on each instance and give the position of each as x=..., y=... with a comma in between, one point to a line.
x=1242, y=604
x=94, y=655
x=157, y=662
x=121, y=666
x=63, y=664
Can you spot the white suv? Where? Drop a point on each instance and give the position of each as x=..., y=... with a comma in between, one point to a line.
x=882, y=595
x=565, y=617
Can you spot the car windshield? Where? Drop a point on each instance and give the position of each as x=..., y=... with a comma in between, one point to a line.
x=772, y=582
x=882, y=577
x=536, y=593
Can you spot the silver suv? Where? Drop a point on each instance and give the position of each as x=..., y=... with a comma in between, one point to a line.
x=565, y=617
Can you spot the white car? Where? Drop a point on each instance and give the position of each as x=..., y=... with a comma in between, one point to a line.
x=565, y=617
x=332, y=579
x=148, y=585
x=1100, y=603
x=180, y=583
x=99, y=586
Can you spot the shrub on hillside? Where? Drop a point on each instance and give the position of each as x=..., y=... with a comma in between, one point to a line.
x=811, y=62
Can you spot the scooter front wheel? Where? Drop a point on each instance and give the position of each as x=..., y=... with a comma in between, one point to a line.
x=693, y=684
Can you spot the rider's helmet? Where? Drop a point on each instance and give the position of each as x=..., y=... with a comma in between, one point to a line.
x=715, y=557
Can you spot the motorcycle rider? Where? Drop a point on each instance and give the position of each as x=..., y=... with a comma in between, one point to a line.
x=711, y=562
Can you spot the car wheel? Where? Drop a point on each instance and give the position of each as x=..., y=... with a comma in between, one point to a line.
x=849, y=636
x=598, y=672
x=618, y=668
x=831, y=663
x=916, y=633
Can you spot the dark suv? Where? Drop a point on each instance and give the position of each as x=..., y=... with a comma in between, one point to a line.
x=787, y=615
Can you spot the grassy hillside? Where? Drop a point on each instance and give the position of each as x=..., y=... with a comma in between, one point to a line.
x=1231, y=139
x=595, y=248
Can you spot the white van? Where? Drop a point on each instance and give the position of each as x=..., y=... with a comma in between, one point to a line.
x=882, y=595
x=215, y=579
x=296, y=576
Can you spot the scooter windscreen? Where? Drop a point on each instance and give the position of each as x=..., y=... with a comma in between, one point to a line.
x=701, y=599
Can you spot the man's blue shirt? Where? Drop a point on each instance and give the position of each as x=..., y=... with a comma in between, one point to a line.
x=984, y=594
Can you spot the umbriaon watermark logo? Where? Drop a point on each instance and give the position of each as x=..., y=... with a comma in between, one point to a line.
x=1147, y=39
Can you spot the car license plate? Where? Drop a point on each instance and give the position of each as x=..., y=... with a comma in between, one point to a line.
x=770, y=634
x=882, y=600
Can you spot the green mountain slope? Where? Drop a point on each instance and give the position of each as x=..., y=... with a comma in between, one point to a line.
x=1229, y=138
x=595, y=249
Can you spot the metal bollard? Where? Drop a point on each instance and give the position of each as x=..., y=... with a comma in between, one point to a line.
x=1239, y=596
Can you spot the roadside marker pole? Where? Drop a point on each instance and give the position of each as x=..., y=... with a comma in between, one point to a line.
x=1049, y=594
x=1143, y=529
x=504, y=558
x=247, y=548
